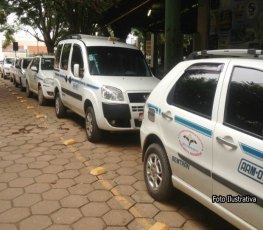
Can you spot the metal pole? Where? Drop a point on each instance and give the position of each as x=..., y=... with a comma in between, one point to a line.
x=173, y=34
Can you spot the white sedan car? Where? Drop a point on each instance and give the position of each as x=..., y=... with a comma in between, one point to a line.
x=202, y=133
x=40, y=78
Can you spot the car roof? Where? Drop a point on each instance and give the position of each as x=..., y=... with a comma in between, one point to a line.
x=91, y=40
x=44, y=56
x=227, y=53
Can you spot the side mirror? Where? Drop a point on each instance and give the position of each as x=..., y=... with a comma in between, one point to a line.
x=76, y=70
x=34, y=68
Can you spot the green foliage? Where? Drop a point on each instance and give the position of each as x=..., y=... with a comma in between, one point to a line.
x=56, y=18
x=3, y=12
x=8, y=34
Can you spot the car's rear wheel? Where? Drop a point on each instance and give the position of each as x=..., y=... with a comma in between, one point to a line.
x=28, y=92
x=157, y=172
x=41, y=99
x=94, y=133
x=60, y=109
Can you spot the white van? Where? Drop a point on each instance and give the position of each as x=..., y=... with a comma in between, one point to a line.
x=103, y=80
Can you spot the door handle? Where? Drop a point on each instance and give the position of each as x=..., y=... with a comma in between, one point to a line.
x=221, y=140
x=167, y=116
x=66, y=78
x=69, y=80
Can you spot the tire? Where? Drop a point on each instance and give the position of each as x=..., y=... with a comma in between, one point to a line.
x=157, y=173
x=28, y=92
x=16, y=83
x=21, y=86
x=60, y=109
x=94, y=134
x=40, y=96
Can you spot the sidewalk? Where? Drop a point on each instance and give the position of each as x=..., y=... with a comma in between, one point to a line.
x=45, y=184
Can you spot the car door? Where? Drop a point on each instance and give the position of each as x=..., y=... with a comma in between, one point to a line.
x=33, y=74
x=188, y=121
x=63, y=74
x=75, y=82
x=238, y=143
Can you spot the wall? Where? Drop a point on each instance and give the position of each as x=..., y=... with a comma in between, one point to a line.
x=236, y=24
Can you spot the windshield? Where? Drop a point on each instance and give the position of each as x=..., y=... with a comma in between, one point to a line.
x=47, y=63
x=9, y=60
x=117, y=61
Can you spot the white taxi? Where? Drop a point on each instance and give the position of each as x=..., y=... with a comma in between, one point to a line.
x=40, y=78
x=204, y=134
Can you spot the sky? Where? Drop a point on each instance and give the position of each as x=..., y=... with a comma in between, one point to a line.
x=20, y=35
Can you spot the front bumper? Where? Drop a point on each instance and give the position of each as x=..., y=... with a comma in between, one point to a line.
x=48, y=91
x=123, y=116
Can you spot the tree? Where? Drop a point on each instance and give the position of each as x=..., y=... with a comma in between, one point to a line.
x=43, y=16
x=3, y=12
x=8, y=31
x=53, y=19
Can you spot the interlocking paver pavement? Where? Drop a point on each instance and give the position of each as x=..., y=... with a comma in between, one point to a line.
x=45, y=184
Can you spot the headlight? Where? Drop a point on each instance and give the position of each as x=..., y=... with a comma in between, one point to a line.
x=112, y=93
x=48, y=81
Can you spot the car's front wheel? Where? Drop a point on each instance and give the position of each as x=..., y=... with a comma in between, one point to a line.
x=157, y=173
x=28, y=92
x=21, y=86
x=41, y=99
x=15, y=82
x=93, y=132
x=60, y=109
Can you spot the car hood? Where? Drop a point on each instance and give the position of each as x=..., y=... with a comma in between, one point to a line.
x=129, y=83
x=47, y=74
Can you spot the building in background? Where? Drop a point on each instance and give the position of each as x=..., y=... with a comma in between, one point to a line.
x=27, y=46
x=236, y=24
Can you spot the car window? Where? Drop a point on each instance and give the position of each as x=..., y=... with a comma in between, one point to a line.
x=57, y=56
x=35, y=63
x=244, y=101
x=195, y=89
x=26, y=62
x=117, y=61
x=65, y=56
x=47, y=63
x=77, y=58
x=9, y=60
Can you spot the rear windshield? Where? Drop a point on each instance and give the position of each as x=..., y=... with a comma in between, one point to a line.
x=117, y=61
x=47, y=63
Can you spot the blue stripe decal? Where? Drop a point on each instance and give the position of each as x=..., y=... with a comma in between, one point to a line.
x=85, y=84
x=191, y=125
x=92, y=86
x=59, y=75
x=251, y=151
x=79, y=82
x=156, y=109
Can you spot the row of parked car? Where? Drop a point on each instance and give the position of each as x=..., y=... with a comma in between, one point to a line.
x=33, y=74
x=201, y=127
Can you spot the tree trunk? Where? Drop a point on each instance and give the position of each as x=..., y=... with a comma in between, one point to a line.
x=50, y=47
